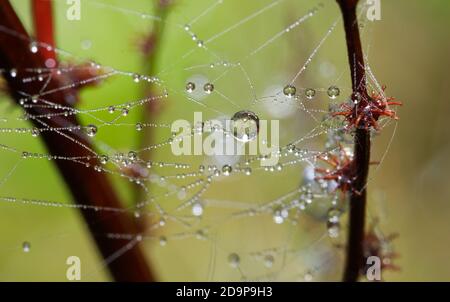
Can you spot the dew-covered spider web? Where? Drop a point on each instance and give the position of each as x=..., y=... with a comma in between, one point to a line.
x=146, y=64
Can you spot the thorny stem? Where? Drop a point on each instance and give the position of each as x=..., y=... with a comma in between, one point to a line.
x=87, y=186
x=354, y=251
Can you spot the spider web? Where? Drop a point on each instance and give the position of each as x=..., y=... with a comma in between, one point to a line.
x=200, y=220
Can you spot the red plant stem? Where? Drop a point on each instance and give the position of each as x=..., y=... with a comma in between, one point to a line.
x=87, y=186
x=42, y=11
x=354, y=252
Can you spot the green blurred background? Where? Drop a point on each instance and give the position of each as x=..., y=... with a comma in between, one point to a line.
x=409, y=193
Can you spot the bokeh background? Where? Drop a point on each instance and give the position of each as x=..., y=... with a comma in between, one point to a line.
x=409, y=193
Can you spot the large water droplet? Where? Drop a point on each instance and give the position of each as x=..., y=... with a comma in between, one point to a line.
x=310, y=93
x=91, y=130
x=104, y=159
x=190, y=87
x=245, y=125
x=333, y=92
x=208, y=88
x=132, y=155
x=289, y=90
x=136, y=77
x=226, y=170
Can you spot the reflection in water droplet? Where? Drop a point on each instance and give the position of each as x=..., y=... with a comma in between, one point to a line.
x=104, y=159
x=245, y=125
x=226, y=170
x=333, y=92
x=190, y=86
x=91, y=130
x=208, y=88
x=289, y=90
x=310, y=93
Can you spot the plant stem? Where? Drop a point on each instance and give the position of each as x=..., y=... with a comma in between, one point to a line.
x=151, y=53
x=354, y=252
x=87, y=186
x=42, y=11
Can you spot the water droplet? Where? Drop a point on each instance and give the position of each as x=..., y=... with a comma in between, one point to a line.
x=333, y=92
x=333, y=229
x=125, y=111
x=289, y=90
x=268, y=261
x=248, y=171
x=132, y=155
x=35, y=132
x=234, y=260
x=277, y=218
x=200, y=43
x=208, y=88
x=91, y=130
x=197, y=209
x=226, y=170
x=111, y=109
x=245, y=125
x=162, y=240
x=136, y=78
x=310, y=93
x=334, y=215
x=26, y=246
x=187, y=27
x=34, y=47
x=104, y=159
x=13, y=73
x=139, y=126
x=190, y=87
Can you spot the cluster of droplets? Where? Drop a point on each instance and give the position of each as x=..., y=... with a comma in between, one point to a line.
x=333, y=222
x=208, y=88
x=290, y=91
